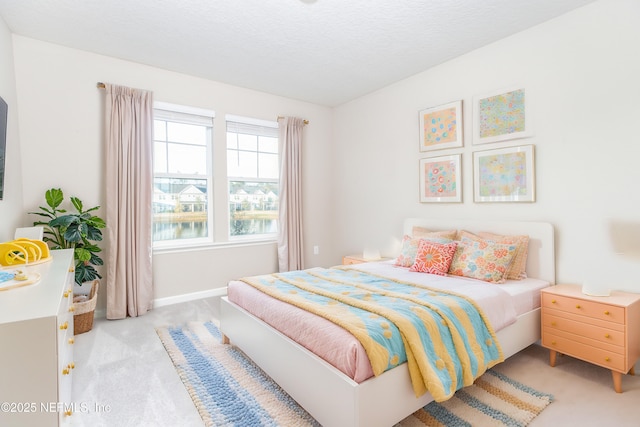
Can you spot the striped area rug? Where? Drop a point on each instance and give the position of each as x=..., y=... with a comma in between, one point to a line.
x=229, y=390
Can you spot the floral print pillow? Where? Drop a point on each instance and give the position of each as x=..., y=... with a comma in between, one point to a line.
x=482, y=260
x=410, y=247
x=434, y=258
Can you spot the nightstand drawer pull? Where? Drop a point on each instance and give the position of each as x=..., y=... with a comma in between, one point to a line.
x=553, y=301
x=606, y=313
x=607, y=336
x=607, y=359
x=553, y=323
x=578, y=306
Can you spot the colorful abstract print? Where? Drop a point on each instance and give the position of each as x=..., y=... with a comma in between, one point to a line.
x=440, y=179
x=503, y=175
x=502, y=114
x=440, y=127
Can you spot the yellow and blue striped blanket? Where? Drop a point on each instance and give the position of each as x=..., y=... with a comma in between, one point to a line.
x=444, y=337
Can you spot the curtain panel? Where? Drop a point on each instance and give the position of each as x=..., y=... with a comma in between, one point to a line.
x=129, y=186
x=290, y=241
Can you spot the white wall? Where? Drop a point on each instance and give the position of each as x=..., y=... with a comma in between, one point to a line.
x=61, y=122
x=582, y=70
x=11, y=203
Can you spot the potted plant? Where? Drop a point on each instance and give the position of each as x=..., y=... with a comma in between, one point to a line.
x=78, y=231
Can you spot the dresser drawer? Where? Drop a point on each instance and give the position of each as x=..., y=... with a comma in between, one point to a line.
x=592, y=309
x=607, y=359
x=597, y=333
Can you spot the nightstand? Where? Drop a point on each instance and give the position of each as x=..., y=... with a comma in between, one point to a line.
x=604, y=331
x=357, y=259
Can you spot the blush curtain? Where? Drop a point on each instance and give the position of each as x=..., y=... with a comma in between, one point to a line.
x=290, y=242
x=129, y=183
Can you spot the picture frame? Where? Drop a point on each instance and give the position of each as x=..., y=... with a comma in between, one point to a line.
x=502, y=115
x=441, y=127
x=441, y=179
x=504, y=174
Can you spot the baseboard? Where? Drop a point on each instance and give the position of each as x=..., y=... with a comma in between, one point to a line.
x=161, y=302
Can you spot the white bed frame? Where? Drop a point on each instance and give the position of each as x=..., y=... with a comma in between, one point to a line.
x=330, y=396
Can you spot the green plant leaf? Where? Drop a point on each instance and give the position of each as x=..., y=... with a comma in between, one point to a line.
x=54, y=197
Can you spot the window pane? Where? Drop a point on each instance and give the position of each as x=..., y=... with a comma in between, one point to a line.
x=253, y=171
x=268, y=166
x=232, y=140
x=159, y=157
x=187, y=159
x=253, y=208
x=180, y=209
x=247, y=142
x=188, y=134
x=248, y=164
x=233, y=165
x=268, y=144
x=159, y=130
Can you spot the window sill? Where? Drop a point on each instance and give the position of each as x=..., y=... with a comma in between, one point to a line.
x=214, y=246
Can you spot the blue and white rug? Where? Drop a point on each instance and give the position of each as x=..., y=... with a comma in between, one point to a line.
x=229, y=390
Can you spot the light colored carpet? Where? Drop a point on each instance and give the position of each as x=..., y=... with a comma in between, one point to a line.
x=228, y=389
x=122, y=366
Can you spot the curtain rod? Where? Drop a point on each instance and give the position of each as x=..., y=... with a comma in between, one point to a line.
x=101, y=85
x=306, y=122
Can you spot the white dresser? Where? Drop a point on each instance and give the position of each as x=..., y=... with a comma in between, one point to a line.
x=36, y=347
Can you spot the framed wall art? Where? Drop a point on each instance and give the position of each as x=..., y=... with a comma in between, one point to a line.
x=440, y=179
x=504, y=175
x=441, y=127
x=501, y=115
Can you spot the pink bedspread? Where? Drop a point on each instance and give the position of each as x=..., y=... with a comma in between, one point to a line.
x=337, y=346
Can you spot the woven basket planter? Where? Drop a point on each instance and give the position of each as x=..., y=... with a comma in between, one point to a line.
x=84, y=310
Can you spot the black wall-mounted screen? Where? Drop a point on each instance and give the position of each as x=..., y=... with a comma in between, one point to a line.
x=3, y=142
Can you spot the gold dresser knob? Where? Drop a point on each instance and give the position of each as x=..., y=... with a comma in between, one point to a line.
x=606, y=313
x=577, y=305
x=64, y=326
x=553, y=323
x=65, y=371
x=607, y=335
x=68, y=413
x=72, y=308
x=607, y=359
x=553, y=301
x=72, y=340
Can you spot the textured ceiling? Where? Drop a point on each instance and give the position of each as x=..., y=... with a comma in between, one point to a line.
x=322, y=51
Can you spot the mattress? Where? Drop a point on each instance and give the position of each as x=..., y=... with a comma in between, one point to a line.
x=501, y=304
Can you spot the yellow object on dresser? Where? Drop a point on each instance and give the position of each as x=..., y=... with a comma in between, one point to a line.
x=604, y=331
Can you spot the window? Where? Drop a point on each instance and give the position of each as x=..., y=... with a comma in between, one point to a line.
x=253, y=173
x=182, y=210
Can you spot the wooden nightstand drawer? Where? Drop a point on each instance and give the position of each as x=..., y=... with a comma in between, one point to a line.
x=352, y=259
x=592, y=309
x=597, y=333
x=588, y=353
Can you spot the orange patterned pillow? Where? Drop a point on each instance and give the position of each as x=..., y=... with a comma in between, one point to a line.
x=482, y=260
x=517, y=269
x=434, y=258
x=409, y=248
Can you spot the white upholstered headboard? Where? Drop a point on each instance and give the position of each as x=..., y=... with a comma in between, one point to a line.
x=541, y=261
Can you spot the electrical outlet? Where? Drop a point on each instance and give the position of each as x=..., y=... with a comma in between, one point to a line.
x=316, y=250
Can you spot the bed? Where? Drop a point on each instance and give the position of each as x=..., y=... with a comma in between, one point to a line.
x=335, y=398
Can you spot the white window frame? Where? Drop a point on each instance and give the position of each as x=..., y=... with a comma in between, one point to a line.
x=198, y=116
x=255, y=122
